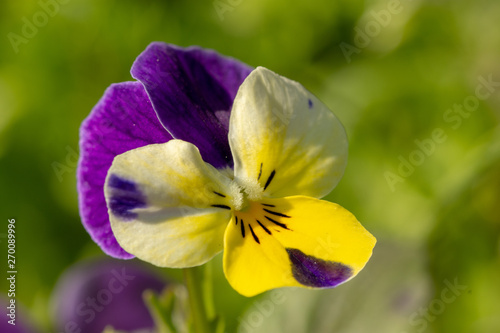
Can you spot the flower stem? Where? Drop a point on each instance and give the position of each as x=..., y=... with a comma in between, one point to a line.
x=195, y=283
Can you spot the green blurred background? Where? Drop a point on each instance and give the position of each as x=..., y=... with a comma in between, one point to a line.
x=390, y=70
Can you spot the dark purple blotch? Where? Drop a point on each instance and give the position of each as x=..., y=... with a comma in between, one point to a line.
x=310, y=102
x=125, y=197
x=314, y=272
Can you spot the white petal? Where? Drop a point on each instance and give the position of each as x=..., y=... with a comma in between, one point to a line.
x=284, y=137
x=167, y=206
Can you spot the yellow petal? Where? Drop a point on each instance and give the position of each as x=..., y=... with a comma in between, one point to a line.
x=294, y=241
x=284, y=138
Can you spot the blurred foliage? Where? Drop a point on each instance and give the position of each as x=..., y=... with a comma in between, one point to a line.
x=440, y=221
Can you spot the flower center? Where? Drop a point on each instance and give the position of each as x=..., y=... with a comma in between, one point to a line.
x=243, y=191
x=259, y=219
x=255, y=216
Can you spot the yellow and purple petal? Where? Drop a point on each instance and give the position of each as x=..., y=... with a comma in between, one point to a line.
x=294, y=241
x=167, y=206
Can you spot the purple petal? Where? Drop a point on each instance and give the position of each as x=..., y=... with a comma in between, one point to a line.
x=122, y=120
x=90, y=296
x=192, y=91
x=314, y=272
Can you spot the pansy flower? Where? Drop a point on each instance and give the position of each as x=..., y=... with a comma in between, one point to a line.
x=205, y=154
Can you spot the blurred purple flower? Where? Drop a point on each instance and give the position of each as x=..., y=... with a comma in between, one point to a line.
x=92, y=295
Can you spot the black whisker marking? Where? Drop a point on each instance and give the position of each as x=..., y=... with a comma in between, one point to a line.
x=222, y=206
x=219, y=194
x=264, y=227
x=276, y=213
x=260, y=172
x=236, y=218
x=271, y=176
x=242, y=229
x=277, y=223
x=268, y=205
x=254, y=235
